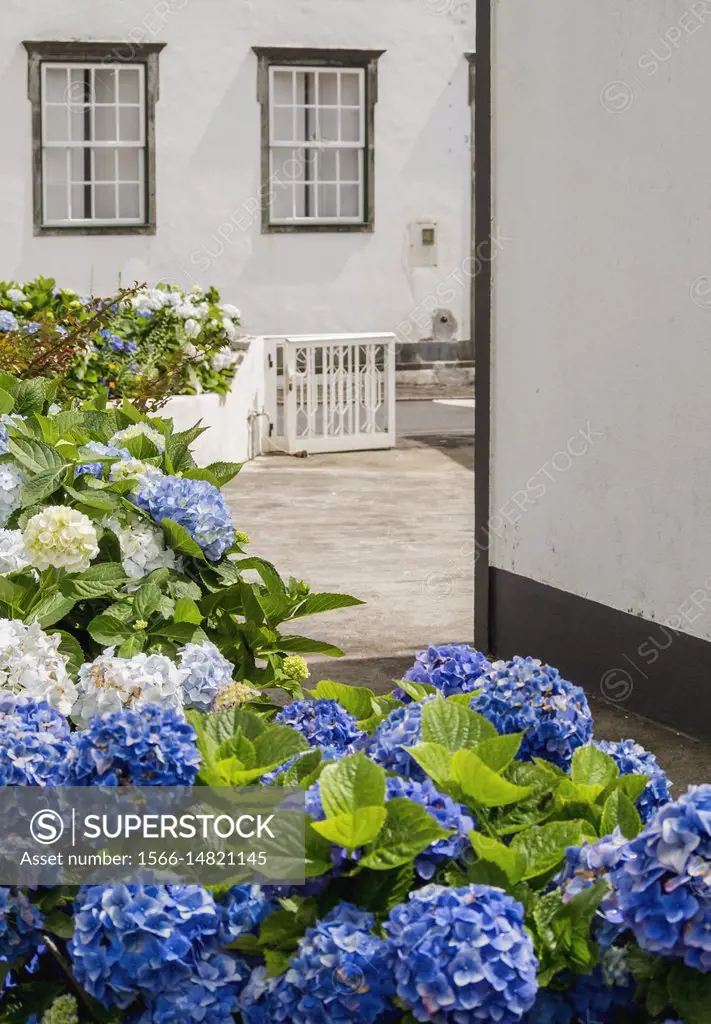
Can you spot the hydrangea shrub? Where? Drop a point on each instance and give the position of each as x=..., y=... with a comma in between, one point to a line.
x=141, y=343
x=472, y=852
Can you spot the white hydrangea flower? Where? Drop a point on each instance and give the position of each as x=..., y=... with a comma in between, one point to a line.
x=230, y=330
x=16, y=295
x=189, y=350
x=31, y=665
x=109, y=683
x=223, y=359
x=54, y=409
x=139, y=430
x=61, y=537
x=132, y=469
x=12, y=551
x=192, y=328
x=11, y=484
x=142, y=547
x=229, y=310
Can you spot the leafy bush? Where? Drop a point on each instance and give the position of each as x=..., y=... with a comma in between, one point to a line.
x=471, y=853
x=144, y=344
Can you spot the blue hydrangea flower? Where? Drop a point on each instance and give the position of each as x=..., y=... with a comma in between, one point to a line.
x=150, y=747
x=31, y=327
x=341, y=973
x=243, y=910
x=590, y=862
x=633, y=759
x=587, y=997
x=448, y=814
x=8, y=321
x=454, y=668
x=35, y=743
x=525, y=696
x=117, y=344
x=663, y=881
x=208, y=993
x=463, y=955
x=144, y=313
x=20, y=924
x=96, y=469
x=207, y=673
x=157, y=941
x=4, y=438
x=388, y=744
x=322, y=723
x=196, y=505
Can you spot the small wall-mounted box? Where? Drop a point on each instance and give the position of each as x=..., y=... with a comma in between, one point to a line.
x=423, y=244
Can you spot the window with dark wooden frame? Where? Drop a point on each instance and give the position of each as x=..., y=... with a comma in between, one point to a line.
x=93, y=111
x=318, y=152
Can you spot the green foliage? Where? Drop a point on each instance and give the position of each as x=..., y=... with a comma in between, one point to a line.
x=241, y=604
x=155, y=343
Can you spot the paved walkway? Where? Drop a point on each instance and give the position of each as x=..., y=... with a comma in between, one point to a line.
x=393, y=528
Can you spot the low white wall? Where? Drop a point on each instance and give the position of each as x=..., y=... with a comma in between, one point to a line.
x=236, y=421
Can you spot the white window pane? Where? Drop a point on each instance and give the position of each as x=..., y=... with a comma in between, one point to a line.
x=283, y=86
x=327, y=165
x=303, y=84
x=287, y=165
x=309, y=158
x=79, y=91
x=104, y=90
x=129, y=85
x=350, y=89
x=305, y=200
x=55, y=85
x=78, y=164
x=55, y=207
x=329, y=125
x=350, y=201
x=129, y=201
x=104, y=168
x=104, y=202
x=79, y=123
x=55, y=166
x=328, y=88
x=328, y=201
x=350, y=125
x=349, y=164
x=55, y=124
x=282, y=202
x=79, y=197
x=105, y=124
x=129, y=124
x=283, y=122
x=129, y=164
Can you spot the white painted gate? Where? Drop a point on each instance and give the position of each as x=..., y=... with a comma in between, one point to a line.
x=331, y=393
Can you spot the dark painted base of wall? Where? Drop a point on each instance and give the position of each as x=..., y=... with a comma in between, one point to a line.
x=638, y=665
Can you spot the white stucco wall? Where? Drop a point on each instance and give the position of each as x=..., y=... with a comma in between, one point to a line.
x=237, y=423
x=602, y=302
x=208, y=154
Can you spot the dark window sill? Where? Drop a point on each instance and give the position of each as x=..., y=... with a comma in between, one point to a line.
x=98, y=229
x=317, y=229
